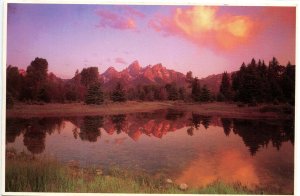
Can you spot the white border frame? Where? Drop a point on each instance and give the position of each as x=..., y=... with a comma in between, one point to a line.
x=281, y=3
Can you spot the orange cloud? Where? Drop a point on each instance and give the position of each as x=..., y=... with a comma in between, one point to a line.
x=204, y=26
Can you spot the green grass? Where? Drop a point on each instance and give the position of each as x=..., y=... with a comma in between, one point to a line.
x=24, y=174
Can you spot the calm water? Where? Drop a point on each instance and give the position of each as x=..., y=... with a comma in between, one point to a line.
x=188, y=147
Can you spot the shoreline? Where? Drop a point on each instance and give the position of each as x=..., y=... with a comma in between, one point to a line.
x=219, y=109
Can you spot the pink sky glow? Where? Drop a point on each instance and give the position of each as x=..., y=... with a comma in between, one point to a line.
x=203, y=39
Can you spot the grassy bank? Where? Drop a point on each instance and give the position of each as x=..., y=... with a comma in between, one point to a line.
x=237, y=110
x=213, y=109
x=23, y=174
x=81, y=109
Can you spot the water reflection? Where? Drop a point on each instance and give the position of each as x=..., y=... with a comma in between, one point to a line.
x=174, y=114
x=196, y=120
x=119, y=122
x=14, y=127
x=89, y=130
x=230, y=166
x=227, y=125
x=34, y=131
x=189, y=147
x=258, y=134
x=255, y=134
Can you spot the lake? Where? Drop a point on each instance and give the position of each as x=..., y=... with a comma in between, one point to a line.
x=187, y=147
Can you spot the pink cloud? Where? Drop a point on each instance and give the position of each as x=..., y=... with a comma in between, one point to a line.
x=113, y=20
x=204, y=26
x=163, y=24
x=124, y=19
x=120, y=60
x=133, y=12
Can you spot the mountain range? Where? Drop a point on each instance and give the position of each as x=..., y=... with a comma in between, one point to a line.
x=135, y=74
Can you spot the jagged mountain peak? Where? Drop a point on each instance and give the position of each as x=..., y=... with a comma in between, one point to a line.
x=134, y=65
x=134, y=74
x=110, y=69
x=134, y=68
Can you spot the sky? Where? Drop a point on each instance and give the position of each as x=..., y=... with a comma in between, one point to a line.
x=203, y=39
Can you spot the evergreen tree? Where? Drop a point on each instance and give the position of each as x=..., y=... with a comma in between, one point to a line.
x=196, y=90
x=78, y=88
x=288, y=83
x=225, y=87
x=246, y=83
x=257, y=82
x=172, y=91
x=274, y=74
x=205, y=94
x=263, y=81
x=94, y=94
x=119, y=94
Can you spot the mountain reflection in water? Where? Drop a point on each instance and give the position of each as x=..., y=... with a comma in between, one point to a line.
x=256, y=134
x=192, y=148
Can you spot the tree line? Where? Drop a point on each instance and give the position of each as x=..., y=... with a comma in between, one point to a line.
x=36, y=85
x=258, y=83
x=255, y=82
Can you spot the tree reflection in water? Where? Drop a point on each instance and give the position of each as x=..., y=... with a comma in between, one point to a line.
x=90, y=128
x=227, y=125
x=255, y=134
x=196, y=120
x=173, y=115
x=119, y=122
x=14, y=128
x=205, y=121
x=34, y=131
